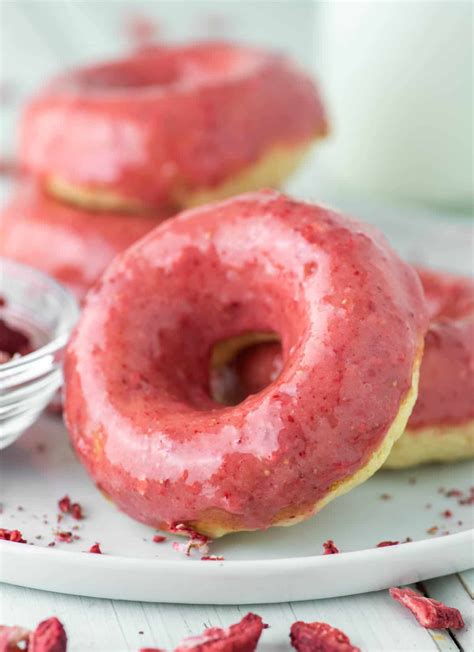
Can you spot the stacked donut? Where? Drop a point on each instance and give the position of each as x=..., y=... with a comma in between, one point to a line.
x=244, y=363
x=113, y=149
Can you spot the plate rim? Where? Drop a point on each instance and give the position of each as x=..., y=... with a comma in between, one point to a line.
x=282, y=563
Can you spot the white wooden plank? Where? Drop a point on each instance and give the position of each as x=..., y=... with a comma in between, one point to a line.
x=452, y=592
x=467, y=579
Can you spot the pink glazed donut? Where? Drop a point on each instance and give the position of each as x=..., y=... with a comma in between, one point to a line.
x=174, y=126
x=441, y=427
x=73, y=245
x=351, y=319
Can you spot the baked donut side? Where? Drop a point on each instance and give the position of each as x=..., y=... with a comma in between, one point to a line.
x=71, y=244
x=176, y=126
x=441, y=427
x=349, y=314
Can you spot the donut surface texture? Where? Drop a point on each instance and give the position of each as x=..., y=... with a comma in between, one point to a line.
x=441, y=426
x=73, y=245
x=348, y=312
x=174, y=126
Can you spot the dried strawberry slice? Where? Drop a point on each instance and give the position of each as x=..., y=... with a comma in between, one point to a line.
x=429, y=612
x=11, y=535
x=64, y=504
x=330, y=548
x=49, y=636
x=76, y=511
x=242, y=637
x=319, y=637
x=13, y=639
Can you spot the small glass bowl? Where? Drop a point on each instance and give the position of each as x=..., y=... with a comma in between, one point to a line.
x=44, y=310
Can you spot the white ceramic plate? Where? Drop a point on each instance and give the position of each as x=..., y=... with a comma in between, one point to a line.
x=278, y=565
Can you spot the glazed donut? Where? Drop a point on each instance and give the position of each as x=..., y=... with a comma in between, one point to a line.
x=72, y=245
x=441, y=426
x=349, y=314
x=174, y=126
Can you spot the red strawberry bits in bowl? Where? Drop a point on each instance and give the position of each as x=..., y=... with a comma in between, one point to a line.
x=36, y=318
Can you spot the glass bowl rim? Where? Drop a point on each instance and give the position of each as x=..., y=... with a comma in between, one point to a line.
x=66, y=318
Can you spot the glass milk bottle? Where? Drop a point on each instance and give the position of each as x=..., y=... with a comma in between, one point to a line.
x=398, y=77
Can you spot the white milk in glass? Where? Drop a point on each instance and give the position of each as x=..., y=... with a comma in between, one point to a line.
x=398, y=78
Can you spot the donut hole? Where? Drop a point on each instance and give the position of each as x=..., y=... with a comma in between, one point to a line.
x=165, y=67
x=137, y=72
x=244, y=365
x=170, y=318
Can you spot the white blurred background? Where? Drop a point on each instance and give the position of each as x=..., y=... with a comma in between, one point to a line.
x=398, y=76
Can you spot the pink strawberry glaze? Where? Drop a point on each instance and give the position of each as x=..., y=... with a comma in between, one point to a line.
x=350, y=316
x=180, y=114
x=447, y=371
x=73, y=245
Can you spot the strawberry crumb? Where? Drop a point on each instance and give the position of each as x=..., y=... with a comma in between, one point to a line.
x=429, y=612
x=384, y=544
x=67, y=507
x=158, y=538
x=95, y=549
x=64, y=504
x=319, y=637
x=11, y=535
x=66, y=537
x=447, y=513
x=453, y=493
x=212, y=558
x=76, y=512
x=196, y=540
x=330, y=548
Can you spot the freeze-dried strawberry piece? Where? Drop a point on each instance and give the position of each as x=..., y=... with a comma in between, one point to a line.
x=330, y=548
x=49, y=636
x=76, y=511
x=196, y=541
x=429, y=612
x=242, y=637
x=13, y=639
x=64, y=504
x=95, y=549
x=319, y=637
x=64, y=536
x=11, y=535
x=385, y=544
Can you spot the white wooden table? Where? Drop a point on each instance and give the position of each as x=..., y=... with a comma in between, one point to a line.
x=39, y=38
x=373, y=621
